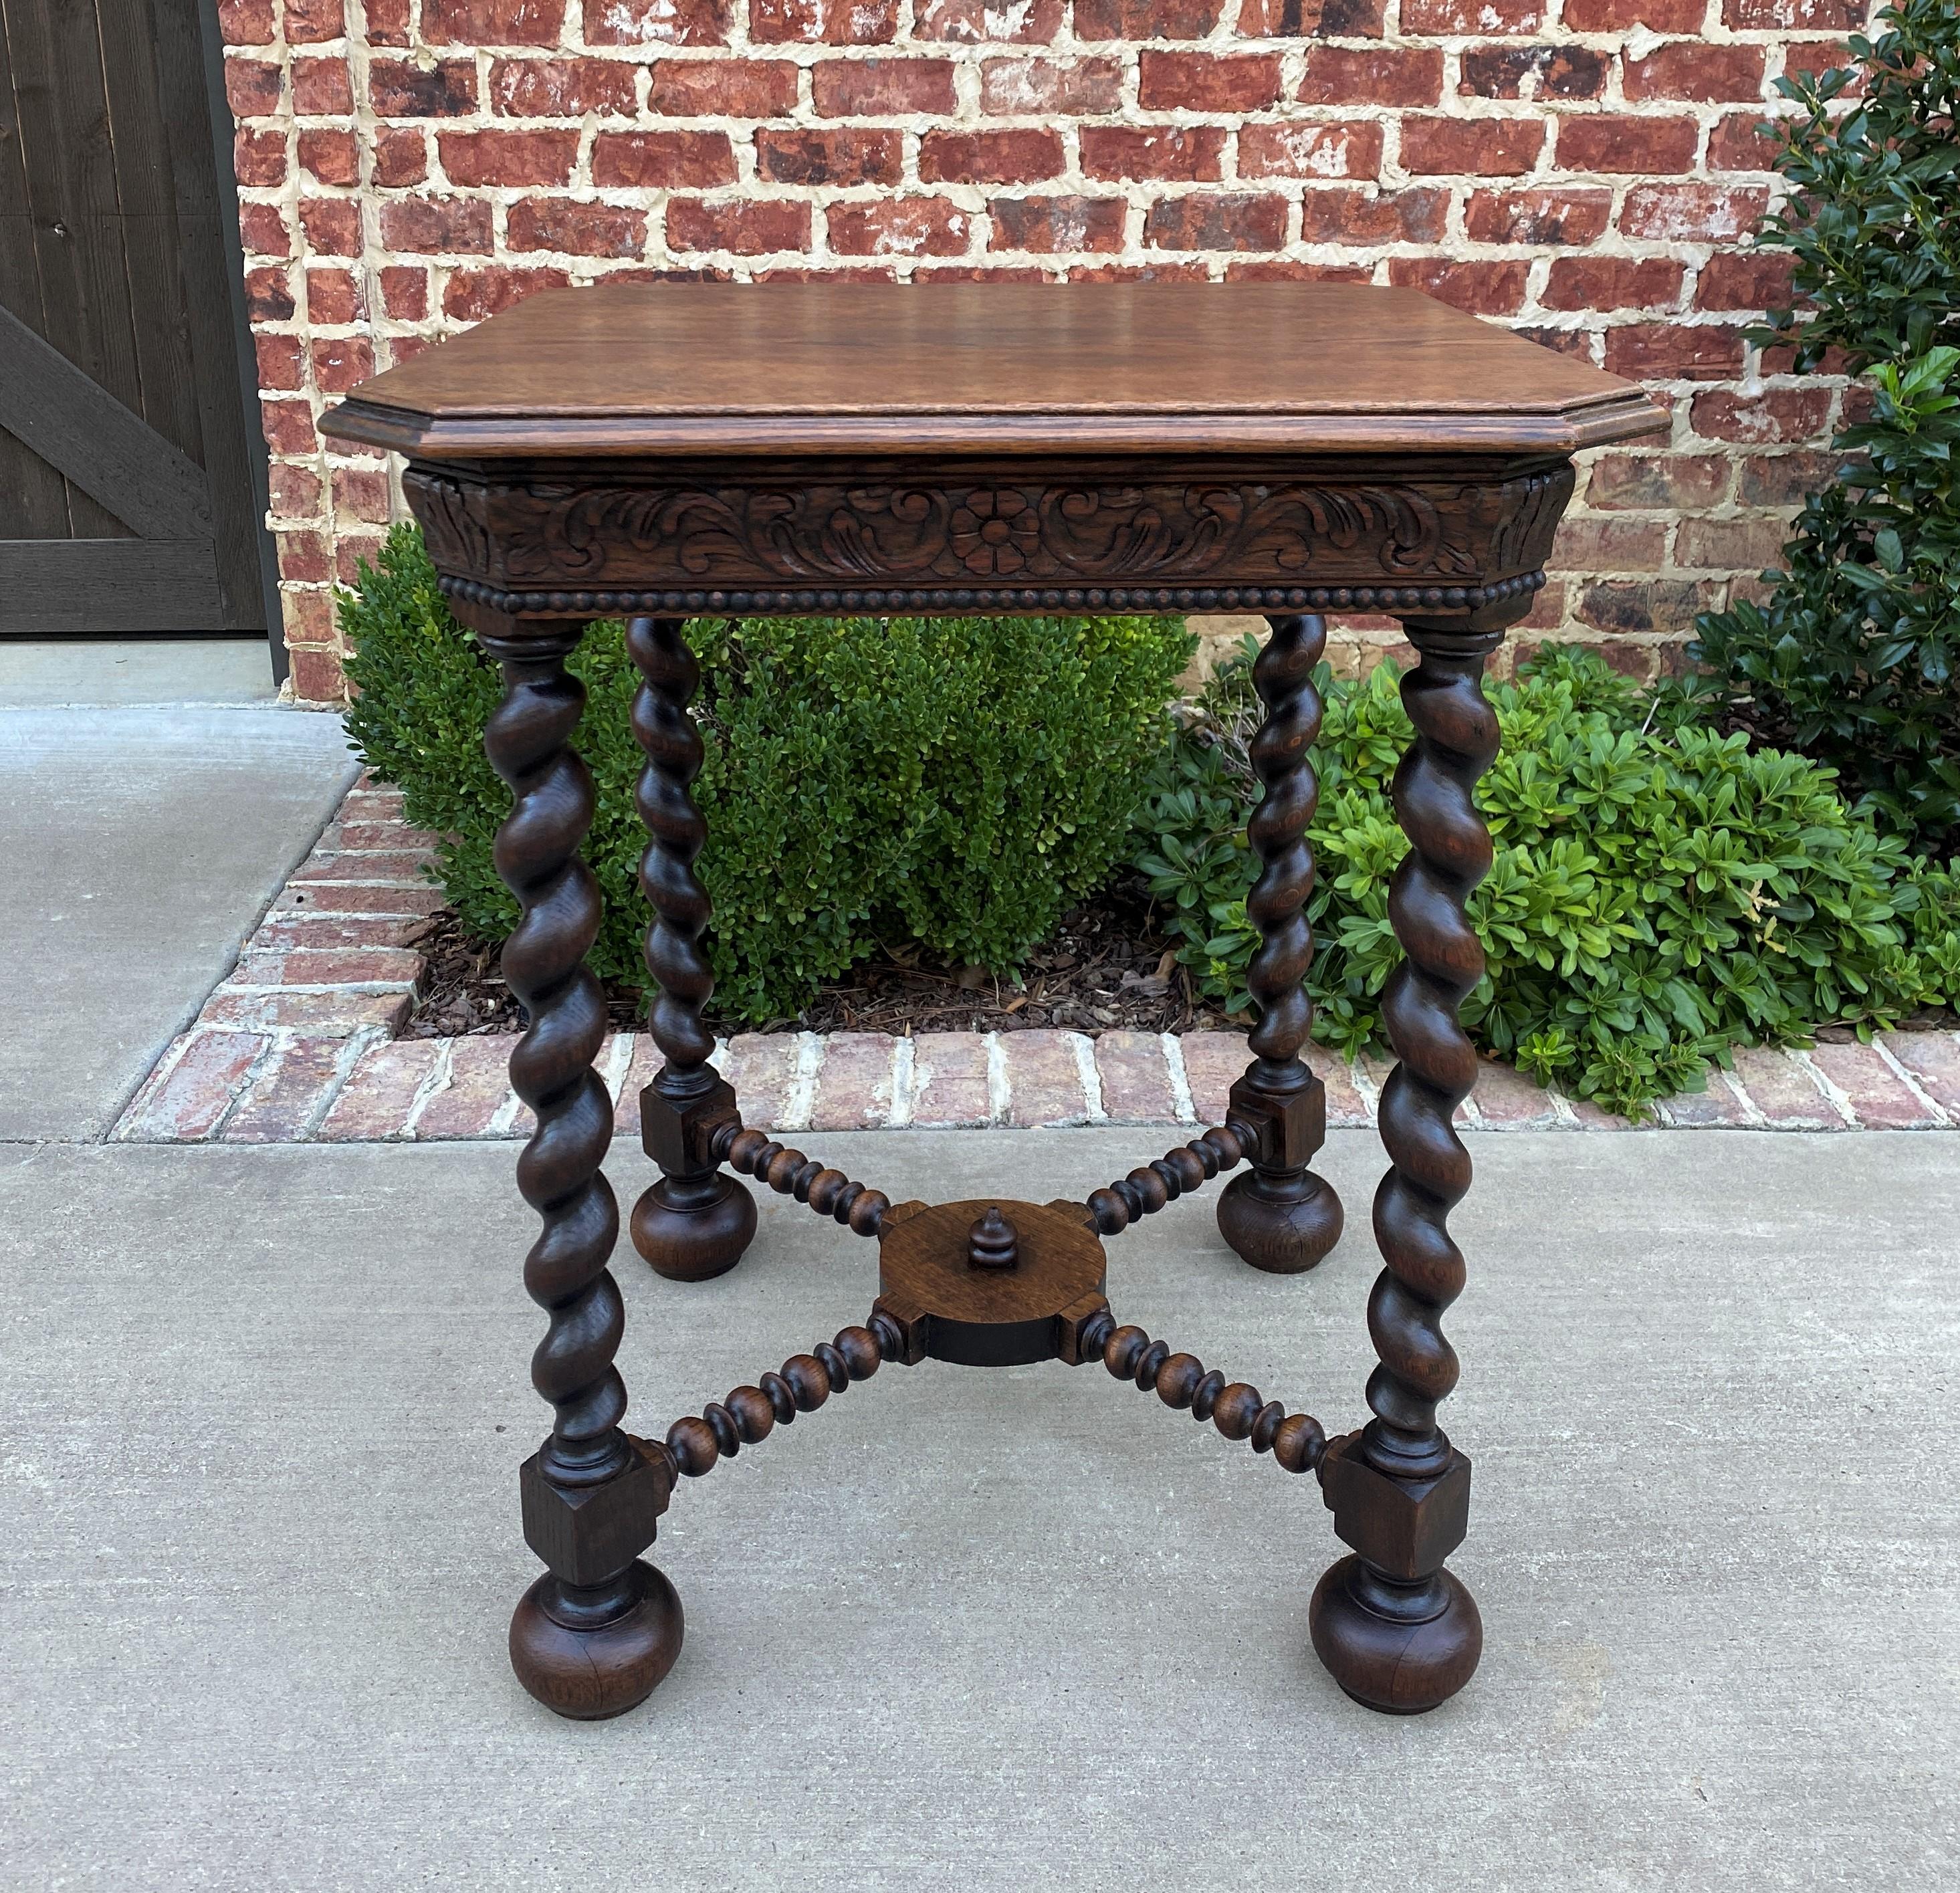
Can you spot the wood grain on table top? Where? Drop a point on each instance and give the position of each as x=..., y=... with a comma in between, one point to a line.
x=716, y=367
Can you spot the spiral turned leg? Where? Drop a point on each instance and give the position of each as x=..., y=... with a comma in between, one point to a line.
x=593, y=1636
x=1397, y=1631
x=697, y=1220
x=1279, y=1216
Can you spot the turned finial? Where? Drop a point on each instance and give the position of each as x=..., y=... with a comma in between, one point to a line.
x=991, y=1243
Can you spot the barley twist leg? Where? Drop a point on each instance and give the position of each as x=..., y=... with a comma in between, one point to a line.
x=1397, y=1629
x=595, y=1635
x=697, y=1220
x=1280, y=1216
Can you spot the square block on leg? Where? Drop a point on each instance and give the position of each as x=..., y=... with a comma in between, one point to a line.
x=1292, y=1127
x=1404, y=1527
x=586, y=1533
x=676, y=1134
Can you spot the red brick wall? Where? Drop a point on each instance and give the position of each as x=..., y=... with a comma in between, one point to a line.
x=1584, y=169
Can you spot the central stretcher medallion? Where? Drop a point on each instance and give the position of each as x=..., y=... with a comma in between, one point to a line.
x=991, y=1284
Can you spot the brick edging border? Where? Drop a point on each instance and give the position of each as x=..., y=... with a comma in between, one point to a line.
x=297, y=1046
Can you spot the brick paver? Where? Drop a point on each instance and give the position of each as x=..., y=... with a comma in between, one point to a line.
x=288, y=928
x=290, y=1093
x=950, y=1080
x=1588, y=1116
x=1376, y=1068
x=1043, y=1075
x=471, y=1091
x=374, y=833
x=1785, y=1091
x=186, y=1097
x=1135, y=1078
x=1346, y=1109
x=1372, y=1069
x=347, y=897
x=365, y=869
x=640, y=1073
x=762, y=1068
x=1720, y=1107
x=854, y=1084
x=378, y=1100
x=1933, y=1059
x=1874, y=1092
x=398, y=967
x=330, y=1014
x=436, y=1089
x=1507, y=1100
x=365, y=803
x=1213, y=1062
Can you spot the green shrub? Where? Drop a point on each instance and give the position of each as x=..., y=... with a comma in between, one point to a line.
x=955, y=782
x=1660, y=894
x=1852, y=658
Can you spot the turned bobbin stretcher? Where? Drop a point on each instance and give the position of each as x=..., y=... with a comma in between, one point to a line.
x=654, y=452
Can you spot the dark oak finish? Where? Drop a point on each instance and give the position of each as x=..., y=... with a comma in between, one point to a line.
x=1181, y=542
x=1149, y=1187
x=861, y=369
x=594, y=1636
x=829, y=447
x=695, y=1222
x=1396, y=1629
x=990, y=1316
x=1181, y=1381
x=1280, y=1216
x=651, y=451
x=696, y=1442
x=789, y=1173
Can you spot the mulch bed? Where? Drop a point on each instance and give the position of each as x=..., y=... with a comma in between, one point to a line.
x=1108, y=966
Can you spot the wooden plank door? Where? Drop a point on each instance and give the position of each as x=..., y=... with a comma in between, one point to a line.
x=131, y=471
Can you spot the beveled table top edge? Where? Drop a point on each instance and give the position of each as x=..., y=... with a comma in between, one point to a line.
x=1618, y=413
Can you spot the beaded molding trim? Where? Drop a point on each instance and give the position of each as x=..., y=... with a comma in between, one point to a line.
x=1014, y=599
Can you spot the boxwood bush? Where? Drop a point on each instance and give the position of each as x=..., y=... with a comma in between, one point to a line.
x=954, y=782
x=1661, y=892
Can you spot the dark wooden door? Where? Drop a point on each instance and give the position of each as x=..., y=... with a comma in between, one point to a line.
x=132, y=476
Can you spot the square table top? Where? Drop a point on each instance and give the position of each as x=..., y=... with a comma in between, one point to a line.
x=896, y=369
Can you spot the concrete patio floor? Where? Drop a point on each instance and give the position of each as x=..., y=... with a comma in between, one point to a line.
x=264, y=1410
x=151, y=804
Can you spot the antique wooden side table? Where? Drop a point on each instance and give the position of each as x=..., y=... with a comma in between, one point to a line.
x=651, y=452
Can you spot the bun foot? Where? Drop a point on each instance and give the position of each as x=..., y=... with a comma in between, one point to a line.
x=1283, y=1222
x=692, y=1231
x=1399, y=1648
x=592, y=1651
